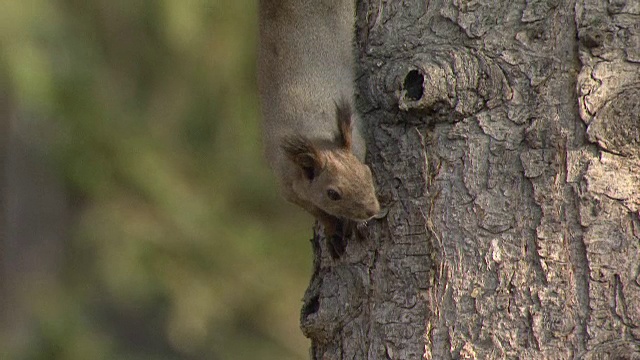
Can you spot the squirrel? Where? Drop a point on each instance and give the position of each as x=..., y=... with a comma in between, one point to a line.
x=311, y=134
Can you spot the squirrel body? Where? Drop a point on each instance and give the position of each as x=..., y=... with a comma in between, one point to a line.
x=311, y=134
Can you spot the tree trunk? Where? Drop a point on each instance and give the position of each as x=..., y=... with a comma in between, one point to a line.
x=505, y=140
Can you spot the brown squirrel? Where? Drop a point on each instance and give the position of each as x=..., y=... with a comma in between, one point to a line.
x=311, y=135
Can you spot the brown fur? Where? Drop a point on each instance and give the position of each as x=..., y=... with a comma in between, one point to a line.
x=311, y=135
x=343, y=115
x=330, y=166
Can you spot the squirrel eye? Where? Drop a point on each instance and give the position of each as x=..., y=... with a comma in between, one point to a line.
x=333, y=195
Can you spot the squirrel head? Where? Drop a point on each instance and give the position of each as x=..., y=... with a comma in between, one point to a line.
x=330, y=176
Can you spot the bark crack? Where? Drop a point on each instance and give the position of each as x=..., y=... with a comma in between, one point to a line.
x=580, y=261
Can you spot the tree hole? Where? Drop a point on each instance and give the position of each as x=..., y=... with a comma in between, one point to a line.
x=312, y=306
x=414, y=85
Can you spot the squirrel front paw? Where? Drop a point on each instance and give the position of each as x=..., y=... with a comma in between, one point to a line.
x=336, y=231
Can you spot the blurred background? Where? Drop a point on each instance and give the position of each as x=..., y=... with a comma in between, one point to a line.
x=138, y=219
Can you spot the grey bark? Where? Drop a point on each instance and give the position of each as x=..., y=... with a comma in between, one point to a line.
x=505, y=140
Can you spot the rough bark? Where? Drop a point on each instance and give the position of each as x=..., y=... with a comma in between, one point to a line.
x=505, y=139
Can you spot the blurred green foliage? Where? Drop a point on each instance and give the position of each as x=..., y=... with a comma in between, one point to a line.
x=181, y=247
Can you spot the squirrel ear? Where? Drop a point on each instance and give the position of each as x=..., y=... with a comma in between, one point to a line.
x=303, y=153
x=343, y=116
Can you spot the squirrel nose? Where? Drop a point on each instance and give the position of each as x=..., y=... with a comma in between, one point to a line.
x=372, y=212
